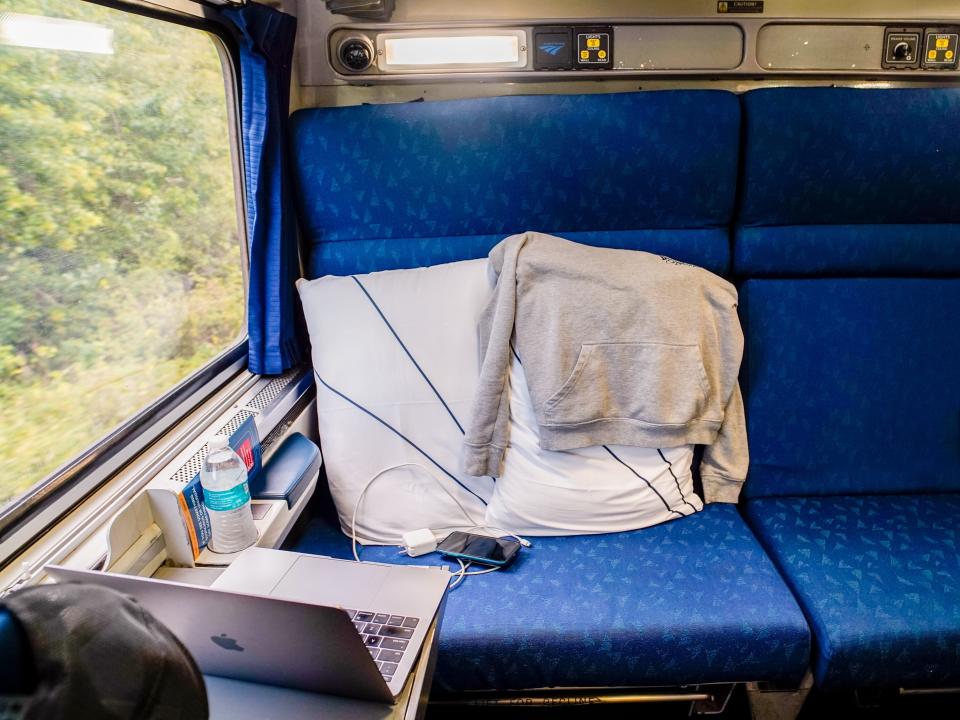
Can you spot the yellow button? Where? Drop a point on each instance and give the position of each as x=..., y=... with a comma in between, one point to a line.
x=932, y=54
x=948, y=54
x=595, y=42
x=602, y=54
x=943, y=42
x=584, y=54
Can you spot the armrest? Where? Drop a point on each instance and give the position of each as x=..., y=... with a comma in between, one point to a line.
x=286, y=475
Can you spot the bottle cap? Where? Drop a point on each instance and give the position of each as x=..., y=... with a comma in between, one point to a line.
x=217, y=442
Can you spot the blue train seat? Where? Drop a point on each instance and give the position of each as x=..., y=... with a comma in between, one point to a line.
x=405, y=185
x=395, y=186
x=685, y=602
x=848, y=237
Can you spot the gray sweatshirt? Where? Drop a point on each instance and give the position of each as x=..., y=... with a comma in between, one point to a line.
x=619, y=347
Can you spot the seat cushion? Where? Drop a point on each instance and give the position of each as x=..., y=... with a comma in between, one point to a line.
x=849, y=181
x=834, y=156
x=692, y=600
x=410, y=184
x=879, y=579
x=709, y=248
x=906, y=249
x=851, y=386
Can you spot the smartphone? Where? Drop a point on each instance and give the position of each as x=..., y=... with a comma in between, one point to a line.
x=482, y=549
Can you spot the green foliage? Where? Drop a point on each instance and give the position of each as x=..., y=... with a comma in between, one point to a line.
x=119, y=259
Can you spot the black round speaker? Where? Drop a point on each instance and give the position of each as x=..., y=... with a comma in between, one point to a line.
x=356, y=54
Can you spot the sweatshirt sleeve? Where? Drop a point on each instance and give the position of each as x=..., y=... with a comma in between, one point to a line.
x=488, y=428
x=725, y=462
x=723, y=468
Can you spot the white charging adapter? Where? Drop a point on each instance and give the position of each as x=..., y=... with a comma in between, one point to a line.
x=419, y=542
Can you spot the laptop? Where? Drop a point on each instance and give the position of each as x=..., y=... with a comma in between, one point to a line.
x=306, y=622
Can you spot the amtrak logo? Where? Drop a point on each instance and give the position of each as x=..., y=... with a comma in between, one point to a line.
x=552, y=48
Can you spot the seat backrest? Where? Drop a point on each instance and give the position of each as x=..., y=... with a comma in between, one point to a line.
x=406, y=185
x=848, y=235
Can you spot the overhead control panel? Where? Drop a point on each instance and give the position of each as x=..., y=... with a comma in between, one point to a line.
x=532, y=50
x=594, y=48
x=902, y=47
x=940, y=48
x=912, y=48
x=749, y=45
x=560, y=47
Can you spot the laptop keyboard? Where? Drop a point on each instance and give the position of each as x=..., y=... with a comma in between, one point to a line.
x=386, y=637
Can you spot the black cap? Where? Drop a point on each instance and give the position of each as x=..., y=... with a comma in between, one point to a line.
x=98, y=654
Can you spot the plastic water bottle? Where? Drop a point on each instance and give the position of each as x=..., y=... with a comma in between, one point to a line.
x=227, y=498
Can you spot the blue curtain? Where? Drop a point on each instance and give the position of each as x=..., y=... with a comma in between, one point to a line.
x=265, y=38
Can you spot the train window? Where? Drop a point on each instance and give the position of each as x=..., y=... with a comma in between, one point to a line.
x=121, y=271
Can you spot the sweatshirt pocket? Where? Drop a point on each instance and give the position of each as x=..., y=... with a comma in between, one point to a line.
x=655, y=383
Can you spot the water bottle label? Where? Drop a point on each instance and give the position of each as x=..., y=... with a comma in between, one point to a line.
x=223, y=500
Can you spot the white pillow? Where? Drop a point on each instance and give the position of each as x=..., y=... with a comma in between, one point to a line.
x=434, y=311
x=590, y=490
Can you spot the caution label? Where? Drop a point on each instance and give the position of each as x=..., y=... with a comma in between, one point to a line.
x=740, y=6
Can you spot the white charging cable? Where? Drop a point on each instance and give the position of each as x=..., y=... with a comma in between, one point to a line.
x=458, y=576
x=363, y=492
x=462, y=573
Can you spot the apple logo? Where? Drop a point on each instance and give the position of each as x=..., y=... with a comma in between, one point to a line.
x=227, y=643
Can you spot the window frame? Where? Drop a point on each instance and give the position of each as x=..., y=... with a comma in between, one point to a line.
x=35, y=511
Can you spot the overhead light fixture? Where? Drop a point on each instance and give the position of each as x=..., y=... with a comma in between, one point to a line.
x=475, y=49
x=48, y=33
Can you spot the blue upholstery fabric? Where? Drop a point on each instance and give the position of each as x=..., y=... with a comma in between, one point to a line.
x=879, y=579
x=835, y=156
x=851, y=386
x=856, y=250
x=708, y=248
x=847, y=157
x=265, y=39
x=15, y=660
x=693, y=600
x=461, y=175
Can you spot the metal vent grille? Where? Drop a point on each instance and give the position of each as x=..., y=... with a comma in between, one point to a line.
x=264, y=398
x=234, y=423
x=191, y=467
x=272, y=390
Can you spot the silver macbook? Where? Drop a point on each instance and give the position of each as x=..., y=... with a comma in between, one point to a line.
x=299, y=621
